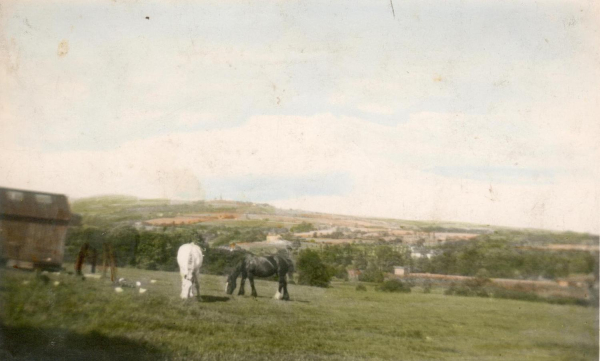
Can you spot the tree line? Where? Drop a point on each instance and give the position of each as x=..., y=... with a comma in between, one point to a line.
x=491, y=256
x=500, y=258
x=495, y=256
x=151, y=250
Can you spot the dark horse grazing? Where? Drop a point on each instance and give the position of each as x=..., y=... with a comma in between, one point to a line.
x=254, y=266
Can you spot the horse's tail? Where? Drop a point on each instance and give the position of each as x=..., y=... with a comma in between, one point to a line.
x=190, y=264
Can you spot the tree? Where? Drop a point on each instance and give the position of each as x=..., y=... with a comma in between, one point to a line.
x=371, y=274
x=386, y=258
x=77, y=236
x=303, y=227
x=311, y=270
x=125, y=240
x=360, y=260
x=157, y=251
x=394, y=286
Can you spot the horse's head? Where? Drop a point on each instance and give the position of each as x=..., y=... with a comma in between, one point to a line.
x=231, y=284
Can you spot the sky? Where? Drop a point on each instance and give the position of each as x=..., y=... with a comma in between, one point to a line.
x=474, y=111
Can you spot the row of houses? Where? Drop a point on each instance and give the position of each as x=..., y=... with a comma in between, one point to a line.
x=399, y=271
x=390, y=235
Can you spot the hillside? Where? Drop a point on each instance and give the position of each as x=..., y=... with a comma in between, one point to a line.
x=147, y=233
x=111, y=211
x=479, y=312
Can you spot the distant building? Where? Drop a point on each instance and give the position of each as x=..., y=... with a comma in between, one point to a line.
x=418, y=254
x=353, y=274
x=401, y=271
x=144, y=226
x=273, y=237
x=33, y=226
x=576, y=281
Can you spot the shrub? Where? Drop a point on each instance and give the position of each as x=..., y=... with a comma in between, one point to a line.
x=303, y=227
x=530, y=296
x=482, y=293
x=371, y=274
x=463, y=290
x=450, y=290
x=394, y=286
x=515, y=295
x=498, y=292
x=469, y=288
x=427, y=286
x=361, y=288
x=311, y=270
x=480, y=280
x=340, y=272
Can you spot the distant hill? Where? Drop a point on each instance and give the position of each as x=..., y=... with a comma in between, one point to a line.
x=113, y=210
x=104, y=210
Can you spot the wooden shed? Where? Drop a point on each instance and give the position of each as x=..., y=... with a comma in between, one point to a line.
x=33, y=226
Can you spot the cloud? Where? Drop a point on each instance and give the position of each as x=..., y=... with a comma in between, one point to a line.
x=297, y=162
x=319, y=105
x=376, y=109
x=400, y=194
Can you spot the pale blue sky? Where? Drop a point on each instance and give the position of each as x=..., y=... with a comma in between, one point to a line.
x=444, y=99
x=253, y=188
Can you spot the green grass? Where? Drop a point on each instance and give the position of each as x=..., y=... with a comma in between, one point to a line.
x=79, y=320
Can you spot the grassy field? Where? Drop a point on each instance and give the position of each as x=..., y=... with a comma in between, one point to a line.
x=86, y=319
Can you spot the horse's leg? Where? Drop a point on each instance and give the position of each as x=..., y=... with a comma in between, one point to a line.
x=286, y=295
x=280, y=286
x=251, y=279
x=283, y=285
x=241, y=292
x=197, y=283
x=184, y=294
